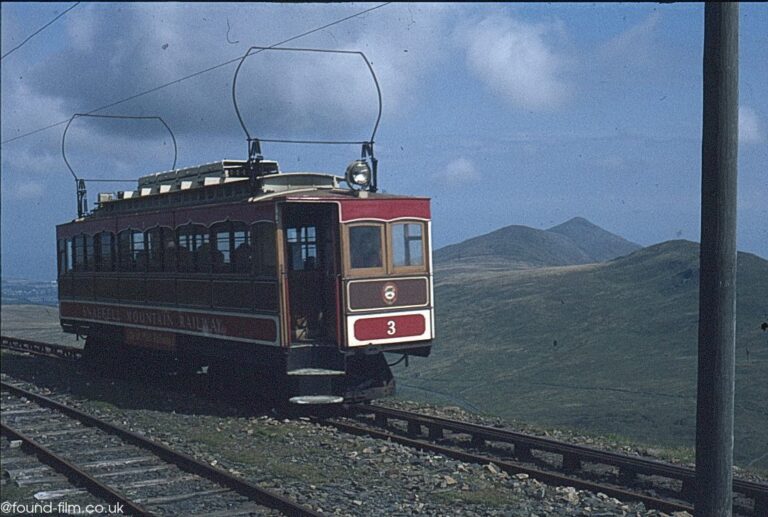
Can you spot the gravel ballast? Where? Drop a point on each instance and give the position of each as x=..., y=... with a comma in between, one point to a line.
x=332, y=472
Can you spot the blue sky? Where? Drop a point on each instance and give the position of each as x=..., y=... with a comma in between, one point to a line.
x=501, y=113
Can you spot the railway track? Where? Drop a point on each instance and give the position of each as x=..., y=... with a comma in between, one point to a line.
x=122, y=467
x=550, y=461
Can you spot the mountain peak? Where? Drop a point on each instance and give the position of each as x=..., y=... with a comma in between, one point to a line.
x=596, y=242
x=576, y=241
x=574, y=222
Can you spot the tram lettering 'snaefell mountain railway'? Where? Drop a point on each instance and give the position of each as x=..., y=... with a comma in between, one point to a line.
x=294, y=279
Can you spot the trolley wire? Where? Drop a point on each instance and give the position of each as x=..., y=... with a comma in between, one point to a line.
x=38, y=31
x=195, y=74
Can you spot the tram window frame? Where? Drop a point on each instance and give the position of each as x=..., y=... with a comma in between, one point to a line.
x=61, y=248
x=131, y=251
x=139, y=251
x=393, y=247
x=89, y=253
x=78, y=248
x=198, y=236
x=303, y=246
x=264, y=249
x=124, y=255
x=105, y=262
x=155, y=249
x=349, y=252
x=170, y=250
x=70, y=255
x=221, y=247
x=241, y=253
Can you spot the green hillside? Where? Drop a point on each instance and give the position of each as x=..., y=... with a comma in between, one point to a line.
x=607, y=347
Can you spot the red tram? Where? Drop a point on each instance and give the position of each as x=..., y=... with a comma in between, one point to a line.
x=300, y=281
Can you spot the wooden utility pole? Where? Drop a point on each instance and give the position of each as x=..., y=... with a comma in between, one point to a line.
x=717, y=291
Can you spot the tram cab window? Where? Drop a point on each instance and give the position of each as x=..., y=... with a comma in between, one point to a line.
x=407, y=244
x=365, y=246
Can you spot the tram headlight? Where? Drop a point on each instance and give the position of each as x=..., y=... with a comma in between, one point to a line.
x=358, y=174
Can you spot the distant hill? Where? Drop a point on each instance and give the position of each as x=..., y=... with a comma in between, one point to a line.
x=576, y=241
x=609, y=347
x=596, y=243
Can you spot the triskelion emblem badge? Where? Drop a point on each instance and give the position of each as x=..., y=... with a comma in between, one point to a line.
x=389, y=293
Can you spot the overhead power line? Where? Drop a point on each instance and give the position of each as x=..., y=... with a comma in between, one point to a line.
x=38, y=31
x=195, y=74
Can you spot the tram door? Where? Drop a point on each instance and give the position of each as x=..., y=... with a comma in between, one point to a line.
x=311, y=244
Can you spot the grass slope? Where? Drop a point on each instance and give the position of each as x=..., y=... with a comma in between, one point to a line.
x=610, y=347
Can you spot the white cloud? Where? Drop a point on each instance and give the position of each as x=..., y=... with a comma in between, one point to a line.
x=516, y=61
x=458, y=172
x=750, y=130
x=636, y=44
x=114, y=53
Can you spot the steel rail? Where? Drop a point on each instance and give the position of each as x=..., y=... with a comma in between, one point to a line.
x=513, y=467
x=573, y=455
x=184, y=461
x=73, y=472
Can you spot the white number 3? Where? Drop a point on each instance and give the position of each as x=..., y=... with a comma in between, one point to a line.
x=391, y=328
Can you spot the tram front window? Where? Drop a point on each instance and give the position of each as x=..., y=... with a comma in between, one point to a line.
x=365, y=246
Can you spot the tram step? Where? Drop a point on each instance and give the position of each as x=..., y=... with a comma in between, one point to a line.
x=315, y=371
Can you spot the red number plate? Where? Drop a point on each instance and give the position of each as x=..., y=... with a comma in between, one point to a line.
x=389, y=327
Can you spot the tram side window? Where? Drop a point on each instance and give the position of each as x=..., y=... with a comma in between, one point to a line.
x=169, y=250
x=264, y=253
x=407, y=244
x=241, y=248
x=63, y=256
x=365, y=246
x=124, y=255
x=131, y=254
x=90, y=263
x=155, y=249
x=139, y=251
x=78, y=244
x=70, y=254
x=194, y=249
x=221, y=257
x=104, y=247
